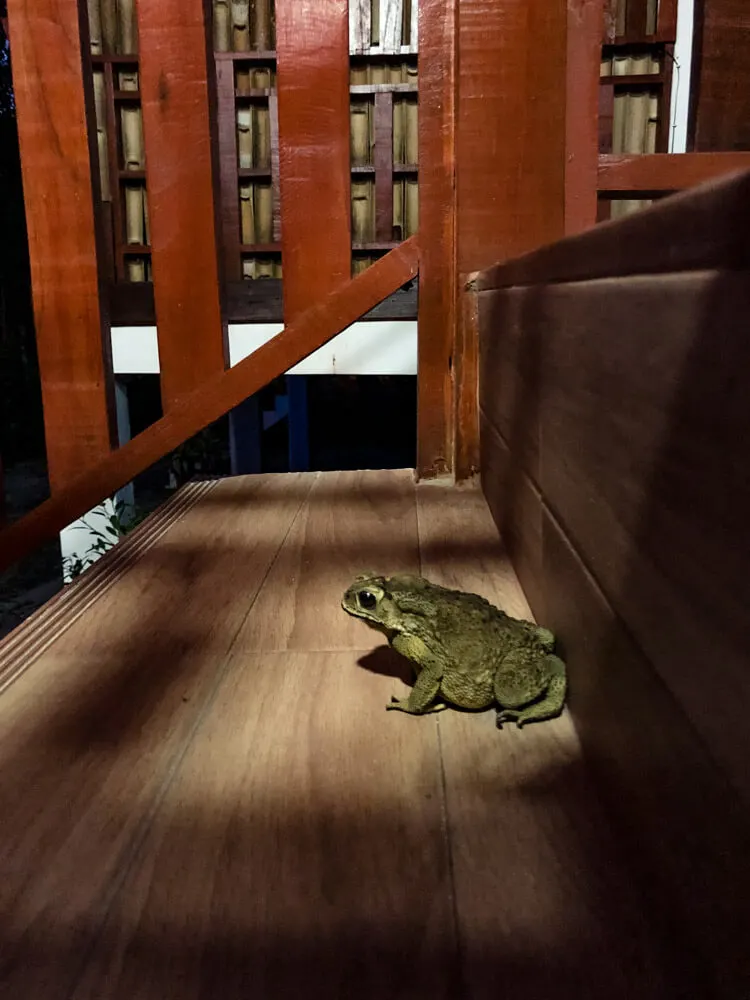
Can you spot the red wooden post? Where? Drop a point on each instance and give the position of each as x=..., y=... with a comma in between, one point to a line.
x=182, y=205
x=312, y=46
x=71, y=332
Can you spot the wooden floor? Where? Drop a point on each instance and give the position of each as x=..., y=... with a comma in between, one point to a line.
x=202, y=796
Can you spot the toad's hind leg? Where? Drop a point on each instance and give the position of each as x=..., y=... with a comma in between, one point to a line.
x=547, y=707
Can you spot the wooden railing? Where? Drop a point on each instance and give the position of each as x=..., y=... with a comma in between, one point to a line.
x=52, y=97
x=540, y=182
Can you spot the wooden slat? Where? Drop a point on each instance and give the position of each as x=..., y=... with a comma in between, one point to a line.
x=437, y=287
x=698, y=229
x=71, y=331
x=466, y=370
x=313, y=92
x=667, y=20
x=229, y=190
x=383, y=157
x=359, y=26
x=212, y=399
x=391, y=19
x=583, y=113
x=91, y=734
x=644, y=425
x=669, y=802
x=635, y=17
x=606, y=123
x=666, y=171
x=273, y=118
x=182, y=213
x=295, y=843
x=561, y=865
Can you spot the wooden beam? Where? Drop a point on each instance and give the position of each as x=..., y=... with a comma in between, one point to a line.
x=182, y=206
x=72, y=332
x=437, y=287
x=635, y=18
x=212, y=399
x=466, y=384
x=666, y=171
x=229, y=191
x=383, y=166
x=312, y=53
x=584, y=48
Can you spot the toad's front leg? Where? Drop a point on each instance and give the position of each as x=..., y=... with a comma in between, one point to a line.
x=421, y=696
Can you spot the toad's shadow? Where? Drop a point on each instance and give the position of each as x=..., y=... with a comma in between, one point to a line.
x=387, y=662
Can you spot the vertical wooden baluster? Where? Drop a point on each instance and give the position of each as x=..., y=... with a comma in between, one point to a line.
x=71, y=329
x=384, y=167
x=174, y=59
x=312, y=48
x=229, y=188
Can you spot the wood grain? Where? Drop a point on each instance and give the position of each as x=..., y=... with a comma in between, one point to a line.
x=215, y=397
x=72, y=336
x=706, y=227
x=383, y=159
x=583, y=112
x=370, y=523
x=722, y=77
x=437, y=209
x=312, y=43
x=666, y=171
x=208, y=743
x=544, y=902
x=510, y=145
x=466, y=387
x=174, y=98
x=676, y=809
x=644, y=433
x=226, y=122
x=92, y=732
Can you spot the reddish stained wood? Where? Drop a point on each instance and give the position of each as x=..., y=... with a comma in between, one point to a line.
x=721, y=71
x=383, y=166
x=71, y=334
x=229, y=190
x=606, y=119
x=511, y=129
x=666, y=171
x=215, y=396
x=635, y=17
x=273, y=118
x=466, y=377
x=437, y=211
x=174, y=90
x=312, y=52
x=584, y=95
x=666, y=26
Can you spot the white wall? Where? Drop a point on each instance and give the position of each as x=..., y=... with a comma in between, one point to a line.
x=377, y=347
x=683, y=52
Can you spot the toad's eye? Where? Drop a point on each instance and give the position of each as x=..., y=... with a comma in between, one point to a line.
x=367, y=600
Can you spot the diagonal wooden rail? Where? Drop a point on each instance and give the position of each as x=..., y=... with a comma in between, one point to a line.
x=307, y=332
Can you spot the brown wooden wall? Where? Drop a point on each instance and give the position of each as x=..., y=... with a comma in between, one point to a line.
x=615, y=416
x=721, y=76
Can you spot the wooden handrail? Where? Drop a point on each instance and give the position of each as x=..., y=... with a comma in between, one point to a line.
x=655, y=172
x=703, y=228
x=222, y=392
